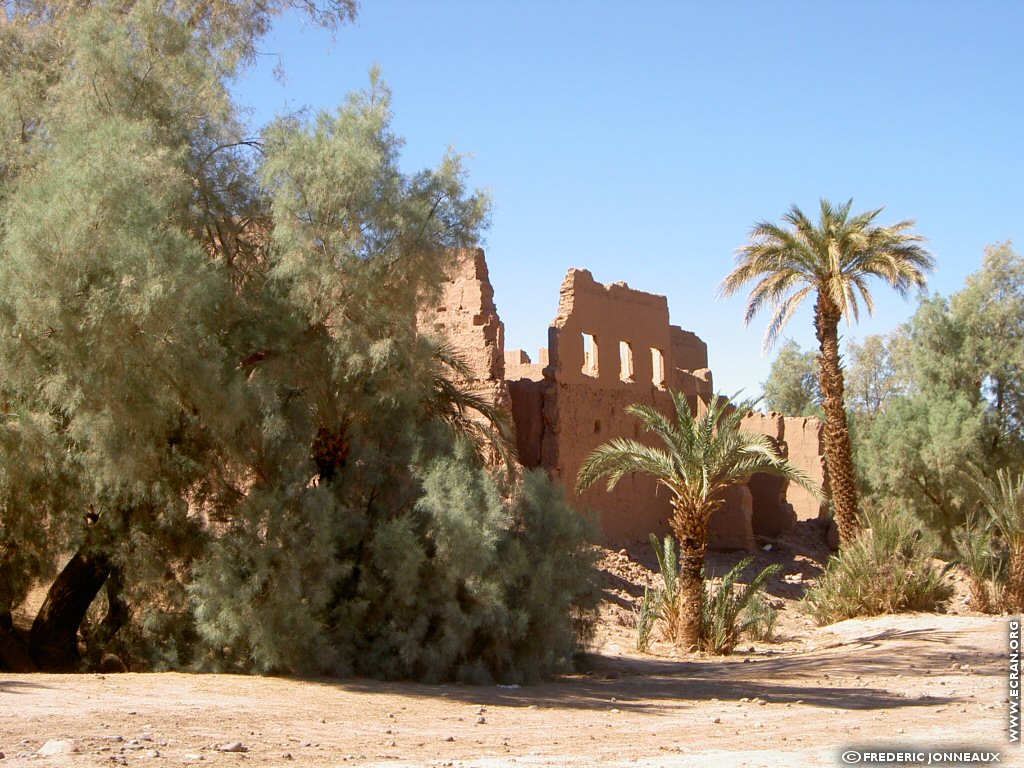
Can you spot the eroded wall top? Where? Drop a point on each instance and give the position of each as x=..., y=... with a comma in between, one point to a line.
x=614, y=335
x=466, y=315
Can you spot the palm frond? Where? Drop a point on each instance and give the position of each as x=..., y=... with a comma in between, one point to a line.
x=623, y=456
x=832, y=257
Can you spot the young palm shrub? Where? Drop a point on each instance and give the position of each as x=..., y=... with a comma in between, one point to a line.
x=975, y=546
x=1003, y=499
x=760, y=618
x=660, y=606
x=703, y=455
x=886, y=569
x=721, y=626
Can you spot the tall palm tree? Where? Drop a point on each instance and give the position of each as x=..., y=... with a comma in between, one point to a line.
x=703, y=456
x=833, y=260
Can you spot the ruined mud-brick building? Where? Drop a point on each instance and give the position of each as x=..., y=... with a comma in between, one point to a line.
x=608, y=347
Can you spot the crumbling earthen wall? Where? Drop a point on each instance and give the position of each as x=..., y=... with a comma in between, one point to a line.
x=466, y=317
x=611, y=346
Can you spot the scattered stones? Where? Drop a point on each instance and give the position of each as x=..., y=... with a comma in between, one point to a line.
x=57, y=747
x=481, y=720
x=152, y=753
x=717, y=720
x=287, y=756
x=448, y=738
x=233, y=746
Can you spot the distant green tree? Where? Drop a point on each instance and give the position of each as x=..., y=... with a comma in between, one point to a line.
x=991, y=306
x=961, y=359
x=875, y=374
x=792, y=384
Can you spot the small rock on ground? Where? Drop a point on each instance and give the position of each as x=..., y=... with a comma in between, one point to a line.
x=57, y=747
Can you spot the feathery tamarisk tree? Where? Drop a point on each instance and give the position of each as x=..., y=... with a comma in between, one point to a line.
x=832, y=260
x=703, y=455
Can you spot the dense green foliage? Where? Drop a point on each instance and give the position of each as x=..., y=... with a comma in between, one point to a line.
x=954, y=395
x=887, y=569
x=212, y=386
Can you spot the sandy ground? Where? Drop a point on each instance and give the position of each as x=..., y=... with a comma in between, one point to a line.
x=916, y=682
x=920, y=681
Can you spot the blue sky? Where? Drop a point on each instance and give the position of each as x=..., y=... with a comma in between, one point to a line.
x=642, y=140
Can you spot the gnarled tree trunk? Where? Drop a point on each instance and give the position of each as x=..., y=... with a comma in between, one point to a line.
x=53, y=641
x=838, y=454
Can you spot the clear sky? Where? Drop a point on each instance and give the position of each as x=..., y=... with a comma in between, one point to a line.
x=641, y=140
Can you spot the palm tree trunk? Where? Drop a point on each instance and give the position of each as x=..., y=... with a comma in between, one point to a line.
x=691, y=595
x=838, y=454
x=690, y=528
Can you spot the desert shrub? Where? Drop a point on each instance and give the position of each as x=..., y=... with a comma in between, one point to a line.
x=760, y=617
x=721, y=625
x=468, y=583
x=888, y=568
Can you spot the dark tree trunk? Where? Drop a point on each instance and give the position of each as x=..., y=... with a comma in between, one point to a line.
x=13, y=647
x=54, y=636
x=838, y=454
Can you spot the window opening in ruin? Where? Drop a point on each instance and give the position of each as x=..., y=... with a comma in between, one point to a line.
x=589, y=355
x=658, y=367
x=626, y=361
